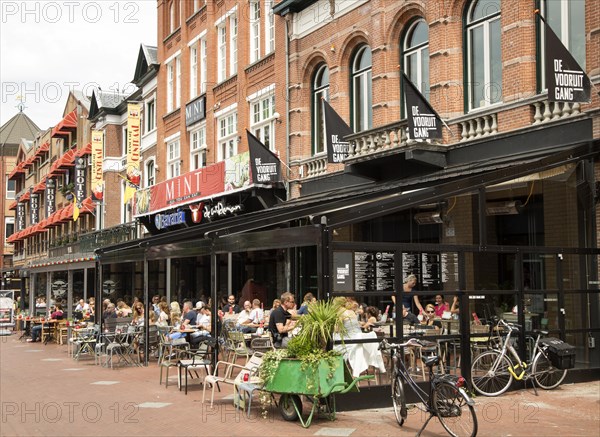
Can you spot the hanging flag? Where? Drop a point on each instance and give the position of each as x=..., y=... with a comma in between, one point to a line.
x=133, y=151
x=76, y=208
x=34, y=208
x=50, y=197
x=97, y=182
x=20, y=216
x=335, y=131
x=565, y=79
x=423, y=122
x=80, y=184
x=266, y=166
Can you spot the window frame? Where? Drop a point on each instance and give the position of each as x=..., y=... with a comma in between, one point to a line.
x=193, y=71
x=170, y=84
x=255, y=39
x=365, y=77
x=318, y=119
x=233, y=43
x=174, y=158
x=221, y=52
x=150, y=112
x=266, y=121
x=10, y=196
x=418, y=51
x=8, y=221
x=469, y=25
x=269, y=27
x=178, y=82
x=198, y=148
x=227, y=135
x=203, y=65
x=150, y=172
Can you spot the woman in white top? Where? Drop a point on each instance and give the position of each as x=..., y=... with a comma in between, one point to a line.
x=163, y=315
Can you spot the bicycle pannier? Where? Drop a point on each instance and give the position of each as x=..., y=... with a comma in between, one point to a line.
x=561, y=354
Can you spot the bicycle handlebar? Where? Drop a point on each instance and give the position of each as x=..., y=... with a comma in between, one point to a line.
x=410, y=342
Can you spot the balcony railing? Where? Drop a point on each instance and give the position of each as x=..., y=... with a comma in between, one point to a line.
x=87, y=243
x=546, y=111
x=381, y=139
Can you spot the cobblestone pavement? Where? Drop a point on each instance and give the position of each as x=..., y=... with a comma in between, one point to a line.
x=44, y=392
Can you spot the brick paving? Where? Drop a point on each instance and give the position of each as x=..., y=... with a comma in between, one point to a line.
x=43, y=392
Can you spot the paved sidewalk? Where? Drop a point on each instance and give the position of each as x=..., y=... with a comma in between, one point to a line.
x=43, y=392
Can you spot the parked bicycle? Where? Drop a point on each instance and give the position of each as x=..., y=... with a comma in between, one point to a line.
x=493, y=371
x=446, y=400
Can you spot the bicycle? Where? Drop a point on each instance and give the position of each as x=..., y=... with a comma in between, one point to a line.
x=446, y=400
x=493, y=371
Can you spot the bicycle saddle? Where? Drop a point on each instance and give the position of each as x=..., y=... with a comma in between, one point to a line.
x=431, y=361
x=539, y=331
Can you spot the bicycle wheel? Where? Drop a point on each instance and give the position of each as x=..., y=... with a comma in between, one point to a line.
x=455, y=414
x=490, y=382
x=545, y=374
x=399, y=400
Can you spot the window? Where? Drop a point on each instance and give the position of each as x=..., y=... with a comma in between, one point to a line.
x=193, y=72
x=563, y=17
x=222, y=54
x=172, y=17
x=198, y=148
x=9, y=226
x=196, y=6
x=174, y=162
x=150, y=173
x=170, y=78
x=270, y=26
x=233, y=21
x=227, y=138
x=203, y=65
x=262, y=120
x=11, y=189
x=178, y=82
x=484, y=78
x=320, y=90
x=362, y=106
x=150, y=115
x=416, y=55
x=254, y=30
x=124, y=142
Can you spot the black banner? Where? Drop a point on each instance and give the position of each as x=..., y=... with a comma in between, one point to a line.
x=565, y=79
x=20, y=216
x=266, y=166
x=423, y=122
x=335, y=131
x=50, y=197
x=80, y=179
x=34, y=208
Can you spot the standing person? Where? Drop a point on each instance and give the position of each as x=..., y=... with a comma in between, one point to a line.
x=409, y=295
x=231, y=306
x=280, y=320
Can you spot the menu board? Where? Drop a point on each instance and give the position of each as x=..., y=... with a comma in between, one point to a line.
x=374, y=271
x=430, y=270
x=411, y=265
x=449, y=267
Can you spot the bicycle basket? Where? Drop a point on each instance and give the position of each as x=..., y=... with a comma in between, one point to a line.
x=561, y=354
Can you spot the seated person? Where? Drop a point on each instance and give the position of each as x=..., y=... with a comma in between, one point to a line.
x=257, y=315
x=244, y=322
x=429, y=317
x=280, y=320
x=231, y=306
x=440, y=305
x=308, y=298
x=408, y=317
x=110, y=312
x=203, y=322
x=370, y=318
x=36, y=331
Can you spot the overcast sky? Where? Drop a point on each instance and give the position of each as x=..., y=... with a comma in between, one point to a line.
x=48, y=47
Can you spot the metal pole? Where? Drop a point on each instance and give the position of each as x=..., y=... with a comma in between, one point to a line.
x=147, y=315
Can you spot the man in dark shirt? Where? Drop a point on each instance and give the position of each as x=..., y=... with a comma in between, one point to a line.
x=409, y=318
x=231, y=306
x=280, y=320
x=189, y=315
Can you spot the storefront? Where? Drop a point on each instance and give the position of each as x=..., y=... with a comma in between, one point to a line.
x=514, y=238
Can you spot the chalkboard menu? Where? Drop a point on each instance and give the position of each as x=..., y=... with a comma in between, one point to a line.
x=411, y=265
x=449, y=267
x=430, y=270
x=374, y=271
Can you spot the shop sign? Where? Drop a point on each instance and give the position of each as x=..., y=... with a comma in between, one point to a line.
x=50, y=196
x=80, y=179
x=195, y=111
x=34, y=208
x=162, y=221
x=220, y=210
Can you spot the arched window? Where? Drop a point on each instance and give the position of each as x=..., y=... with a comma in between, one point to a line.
x=362, y=106
x=484, y=54
x=150, y=173
x=416, y=55
x=172, y=17
x=566, y=19
x=320, y=90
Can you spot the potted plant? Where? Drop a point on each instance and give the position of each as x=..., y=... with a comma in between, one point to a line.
x=309, y=366
x=67, y=190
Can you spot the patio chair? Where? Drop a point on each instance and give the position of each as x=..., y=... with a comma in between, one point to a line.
x=198, y=360
x=170, y=351
x=238, y=346
x=229, y=374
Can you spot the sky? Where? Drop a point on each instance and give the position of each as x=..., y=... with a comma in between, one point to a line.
x=48, y=48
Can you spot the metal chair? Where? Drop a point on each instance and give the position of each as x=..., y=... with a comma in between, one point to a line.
x=238, y=346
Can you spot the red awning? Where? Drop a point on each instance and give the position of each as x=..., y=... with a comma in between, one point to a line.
x=69, y=123
x=25, y=197
x=66, y=160
x=43, y=149
x=13, y=205
x=41, y=186
x=87, y=150
x=87, y=206
x=66, y=214
x=29, y=162
x=18, y=169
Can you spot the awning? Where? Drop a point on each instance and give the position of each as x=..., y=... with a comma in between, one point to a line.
x=25, y=197
x=87, y=150
x=43, y=149
x=66, y=160
x=13, y=205
x=41, y=186
x=66, y=125
x=18, y=169
x=29, y=162
x=87, y=206
x=66, y=214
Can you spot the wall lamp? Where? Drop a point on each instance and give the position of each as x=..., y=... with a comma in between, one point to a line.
x=512, y=207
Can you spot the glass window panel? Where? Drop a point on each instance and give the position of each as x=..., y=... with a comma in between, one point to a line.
x=577, y=31
x=553, y=15
x=419, y=35
x=495, y=86
x=358, y=104
x=484, y=8
x=477, y=67
x=425, y=72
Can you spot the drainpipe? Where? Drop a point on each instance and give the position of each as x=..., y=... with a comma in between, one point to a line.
x=287, y=104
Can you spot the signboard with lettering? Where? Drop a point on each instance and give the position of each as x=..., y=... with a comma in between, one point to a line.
x=80, y=179
x=374, y=271
x=266, y=166
x=335, y=130
x=343, y=271
x=34, y=208
x=50, y=197
x=20, y=216
x=195, y=111
x=424, y=123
